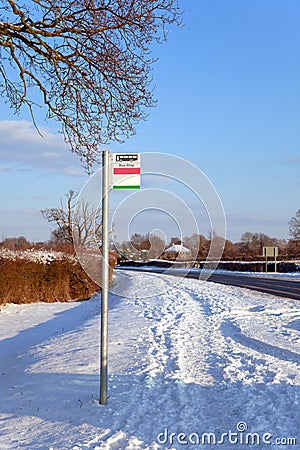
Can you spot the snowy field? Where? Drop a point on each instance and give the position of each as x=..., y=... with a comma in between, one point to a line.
x=192, y=365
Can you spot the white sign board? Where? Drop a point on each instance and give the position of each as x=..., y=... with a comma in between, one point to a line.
x=270, y=251
x=126, y=171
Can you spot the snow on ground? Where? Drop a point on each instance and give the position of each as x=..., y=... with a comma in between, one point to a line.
x=191, y=365
x=184, y=271
x=260, y=274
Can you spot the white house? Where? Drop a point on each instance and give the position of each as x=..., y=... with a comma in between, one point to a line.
x=177, y=251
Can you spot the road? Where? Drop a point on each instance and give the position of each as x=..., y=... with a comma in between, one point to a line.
x=280, y=286
x=270, y=285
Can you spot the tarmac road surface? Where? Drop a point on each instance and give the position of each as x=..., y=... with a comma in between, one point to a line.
x=283, y=287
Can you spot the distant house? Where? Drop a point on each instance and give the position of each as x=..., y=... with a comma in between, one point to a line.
x=177, y=251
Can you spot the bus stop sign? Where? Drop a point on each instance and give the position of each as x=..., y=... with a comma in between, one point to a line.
x=126, y=171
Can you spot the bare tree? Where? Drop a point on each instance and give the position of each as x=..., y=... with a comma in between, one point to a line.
x=146, y=246
x=157, y=247
x=75, y=221
x=246, y=238
x=89, y=60
x=294, y=226
x=16, y=243
x=151, y=244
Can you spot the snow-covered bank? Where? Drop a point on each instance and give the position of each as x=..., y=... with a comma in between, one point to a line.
x=183, y=271
x=199, y=365
x=261, y=274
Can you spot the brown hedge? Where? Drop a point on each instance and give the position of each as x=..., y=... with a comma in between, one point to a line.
x=23, y=281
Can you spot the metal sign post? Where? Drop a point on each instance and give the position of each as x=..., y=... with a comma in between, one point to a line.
x=272, y=252
x=126, y=176
x=104, y=277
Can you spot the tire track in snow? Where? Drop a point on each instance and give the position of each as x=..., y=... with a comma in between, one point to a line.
x=252, y=357
x=164, y=353
x=177, y=340
x=192, y=375
x=174, y=346
x=184, y=348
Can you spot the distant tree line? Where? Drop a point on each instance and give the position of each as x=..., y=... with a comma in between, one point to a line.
x=85, y=221
x=249, y=248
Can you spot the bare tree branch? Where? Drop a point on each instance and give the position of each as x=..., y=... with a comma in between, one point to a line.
x=89, y=60
x=75, y=221
x=294, y=226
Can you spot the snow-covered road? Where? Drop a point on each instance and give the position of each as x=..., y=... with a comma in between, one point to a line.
x=191, y=365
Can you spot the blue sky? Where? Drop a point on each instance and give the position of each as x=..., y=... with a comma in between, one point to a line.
x=228, y=91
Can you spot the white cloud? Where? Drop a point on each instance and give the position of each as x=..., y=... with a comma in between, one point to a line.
x=293, y=160
x=22, y=144
x=72, y=171
x=4, y=168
